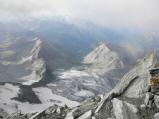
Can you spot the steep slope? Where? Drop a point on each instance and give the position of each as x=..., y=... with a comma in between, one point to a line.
x=100, y=72
x=130, y=99
x=55, y=57
x=102, y=60
x=21, y=63
x=79, y=85
x=131, y=90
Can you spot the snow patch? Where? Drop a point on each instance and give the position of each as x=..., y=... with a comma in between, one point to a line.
x=72, y=74
x=9, y=91
x=46, y=97
x=38, y=69
x=85, y=93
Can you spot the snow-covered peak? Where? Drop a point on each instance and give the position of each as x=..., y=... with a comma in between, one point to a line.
x=98, y=53
x=37, y=47
x=20, y=58
x=102, y=59
x=103, y=47
x=34, y=52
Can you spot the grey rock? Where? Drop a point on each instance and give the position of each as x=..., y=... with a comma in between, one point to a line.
x=53, y=112
x=86, y=106
x=123, y=110
x=102, y=60
x=146, y=99
x=142, y=107
x=149, y=99
x=69, y=115
x=93, y=117
x=3, y=113
x=156, y=116
x=121, y=103
x=86, y=115
x=156, y=100
x=132, y=85
x=17, y=115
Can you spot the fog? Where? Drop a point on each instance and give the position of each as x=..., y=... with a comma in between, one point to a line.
x=140, y=14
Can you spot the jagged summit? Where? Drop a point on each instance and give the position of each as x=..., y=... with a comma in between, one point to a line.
x=102, y=60
x=130, y=99
x=21, y=64
x=103, y=46
x=97, y=54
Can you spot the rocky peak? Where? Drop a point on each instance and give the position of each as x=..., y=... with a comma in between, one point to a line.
x=97, y=54
x=102, y=47
x=130, y=99
x=21, y=62
x=102, y=60
x=129, y=94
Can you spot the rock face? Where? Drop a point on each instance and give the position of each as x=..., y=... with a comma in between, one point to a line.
x=130, y=99
x=100, y=72
x=21, y=63
x=132, y=89
x=3, y=113
x=124, y=110
x=54, y=112
x=27, y=76
x=102, y=60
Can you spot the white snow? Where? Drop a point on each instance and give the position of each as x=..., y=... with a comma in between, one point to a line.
x=72, y=74
x=96, y=54
x=37, y=66
x=9, y=91
x=85, y=93
x=33, y=54
x=7, y=53
x=52, y=85
x=45, y=95
x=102, y=60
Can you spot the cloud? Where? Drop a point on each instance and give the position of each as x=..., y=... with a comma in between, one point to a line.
x=138, y=13
x=128, y=13
x=30, y=7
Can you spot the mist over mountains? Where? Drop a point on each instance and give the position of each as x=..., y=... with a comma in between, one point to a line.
x=78, y=40
x=53, y=62
x=79, y=59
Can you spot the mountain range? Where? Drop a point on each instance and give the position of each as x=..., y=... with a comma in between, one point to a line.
x=53, y=69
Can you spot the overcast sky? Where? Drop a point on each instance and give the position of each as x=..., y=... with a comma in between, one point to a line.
x=131, y=13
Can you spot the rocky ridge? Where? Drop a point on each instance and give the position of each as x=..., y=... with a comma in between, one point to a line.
x=100, y=72
x=130, y=99
x=22, y=65
x=102, y=60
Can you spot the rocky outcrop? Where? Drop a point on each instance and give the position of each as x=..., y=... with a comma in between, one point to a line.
x=132, y=89
x=84, y=111
x=54, y=112
x=3, y=113
x=130, y=99
x=20, y=61
x=124, y=110
x=100, y=72
x=102, y=60
x=37, y=65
